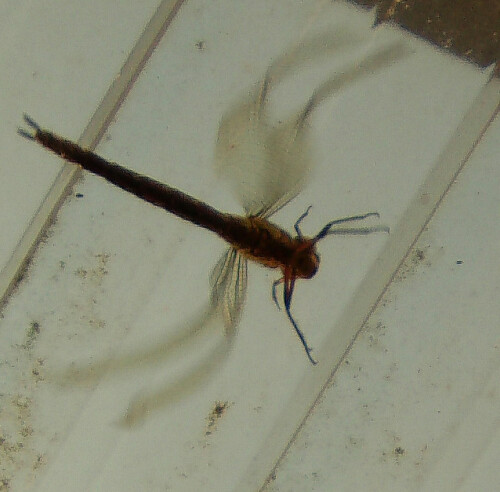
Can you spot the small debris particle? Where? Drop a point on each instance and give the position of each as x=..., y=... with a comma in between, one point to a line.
x=34, y=329
x=31, y=334
x=399, y=451
x=217, y=412
x=26, y=431
x=419, y=254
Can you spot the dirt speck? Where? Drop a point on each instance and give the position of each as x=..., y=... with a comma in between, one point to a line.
x=32, y=334
x=399, y=451
x=215, y=415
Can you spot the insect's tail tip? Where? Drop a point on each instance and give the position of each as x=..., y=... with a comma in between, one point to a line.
x=30, y=121
x=34, y=128
x=25, y=134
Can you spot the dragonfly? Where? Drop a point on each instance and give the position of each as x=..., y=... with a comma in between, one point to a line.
x=246, y=132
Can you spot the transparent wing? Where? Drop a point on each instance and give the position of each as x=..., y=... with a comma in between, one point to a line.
x=243, y=158
x=229, y=285
x=268, y=164
x=289, y=146
x=310, y=50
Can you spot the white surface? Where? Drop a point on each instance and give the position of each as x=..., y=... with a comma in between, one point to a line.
x=115, y=269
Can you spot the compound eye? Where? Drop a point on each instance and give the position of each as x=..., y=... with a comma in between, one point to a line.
x=307, y=265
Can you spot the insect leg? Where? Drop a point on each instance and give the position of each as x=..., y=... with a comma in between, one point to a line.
x=358, y=231
x=326, y=230
x=301, y=336
x=275, y=298
x=31, y=135
x=288, y=291
x=299, y=220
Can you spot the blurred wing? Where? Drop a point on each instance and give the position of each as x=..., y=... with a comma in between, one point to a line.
x=229, y=285
x=318, y=46
x=288, y=144
x=267, y=166
x=255, y=159
x=375, y=61
x=241, y=154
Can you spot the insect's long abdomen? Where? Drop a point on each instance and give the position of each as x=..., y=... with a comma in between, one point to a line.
x=148, y=189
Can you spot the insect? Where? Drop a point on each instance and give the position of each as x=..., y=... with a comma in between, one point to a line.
x=253, y=236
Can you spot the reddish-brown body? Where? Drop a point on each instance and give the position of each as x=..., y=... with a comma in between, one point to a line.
x=254, y=237
x=264, y=242
x=267, y=162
